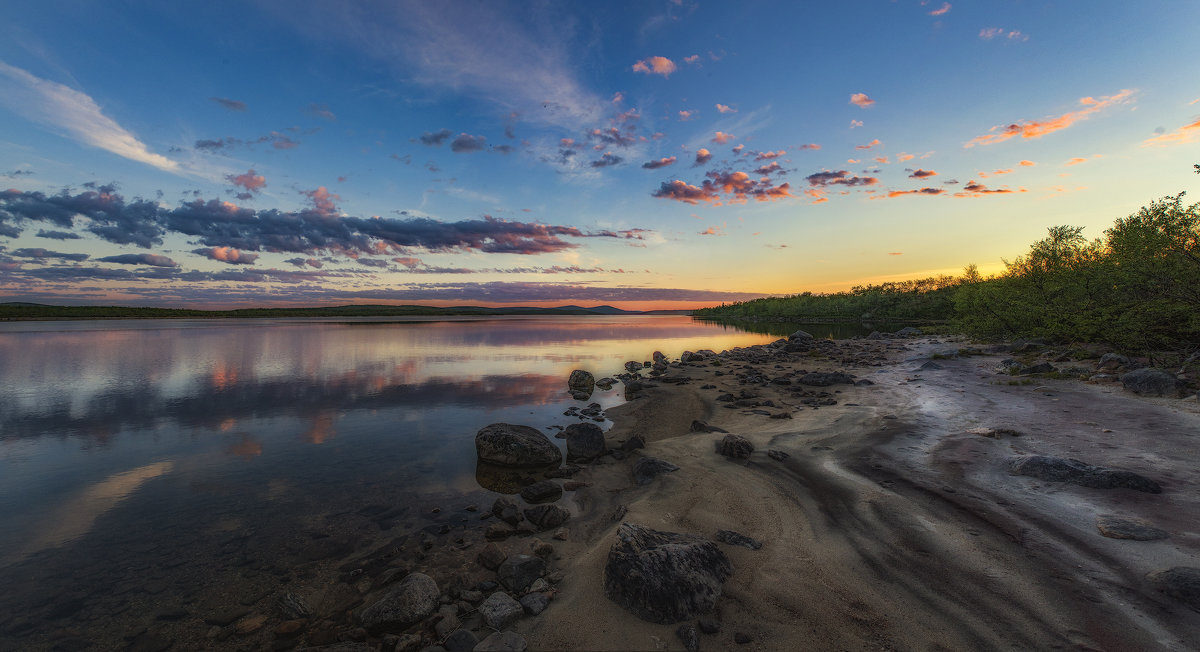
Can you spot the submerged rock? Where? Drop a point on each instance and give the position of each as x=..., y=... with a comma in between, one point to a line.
x=664, y=577
x=513, y=445
x=545, y=491
x=1057, y=469
x=412, y=600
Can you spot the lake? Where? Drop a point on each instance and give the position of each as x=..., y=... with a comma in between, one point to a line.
x=153, y=472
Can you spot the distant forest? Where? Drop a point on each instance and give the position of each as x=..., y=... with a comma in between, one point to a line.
x=1137, y=289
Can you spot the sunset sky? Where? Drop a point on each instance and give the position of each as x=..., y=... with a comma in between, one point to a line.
x=645, y=154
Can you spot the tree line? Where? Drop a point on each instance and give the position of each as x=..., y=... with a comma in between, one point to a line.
x=1136, y=288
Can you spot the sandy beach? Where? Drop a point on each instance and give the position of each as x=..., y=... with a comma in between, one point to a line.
x=894, y=522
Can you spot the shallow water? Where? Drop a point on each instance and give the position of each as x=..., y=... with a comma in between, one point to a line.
x=189, y=465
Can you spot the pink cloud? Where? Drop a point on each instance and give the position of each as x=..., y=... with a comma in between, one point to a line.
x=976, y=189
x=1185, y=134
x=711, y=231
x=1027, y=164
x=856, y=123
x=408, y=261
x=703, y=156
x=941, y=11
x=812, y=146
x=322, y=199
x=861, y=100
x=721, y=138
x=659, y=163
x=250, y=180
x=738, y=149
x=868, y=145
x=882, y=159
x=227, y=255
x=655, y=66
x=922, y=174
x=618, y=97
x=684, y=116
x=1039, y=128
x=766, y=156
x=737, y=186
x=902, y=157
x=692, y=59
x=722, y=108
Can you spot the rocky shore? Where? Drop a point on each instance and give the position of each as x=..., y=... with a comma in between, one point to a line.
x=894, y=492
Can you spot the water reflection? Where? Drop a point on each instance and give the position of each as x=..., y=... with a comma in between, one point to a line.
x=178, y=454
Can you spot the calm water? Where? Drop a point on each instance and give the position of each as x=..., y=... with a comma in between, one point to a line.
x=145, y=463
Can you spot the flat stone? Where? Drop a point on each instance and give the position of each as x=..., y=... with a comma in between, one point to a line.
x=1119, y=527
x=542, y=492
x=500, y=610
x=410, y=601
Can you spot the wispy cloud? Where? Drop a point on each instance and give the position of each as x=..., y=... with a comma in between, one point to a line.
x=74, y=113
x=232, y=105
x=1039, y=128
x=722, y=108
x=659, y=163
x=869, y=145
x=942, y=10
x=721, y=138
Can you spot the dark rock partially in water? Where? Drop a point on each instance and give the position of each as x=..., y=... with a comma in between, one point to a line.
x=581, y=380
x=507, y=444
x=546, y=517
x=664, y=577
x=1057, y=469
x=542, y=492
x=506, y=510
x=585, y=441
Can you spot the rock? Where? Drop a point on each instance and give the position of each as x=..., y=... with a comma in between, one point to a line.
x=292, y=606
x=506, y=444
x=647, y=468
x=800, y=335
x=1040, y=368
x=1118, y=527
x=742, y=638
x=633, y=367
x=826, y=378
x=633, y=443
x=606, y=383
x=410, y=601
x=1112, y=361
x=700, y=426
x=491, y=556
x=1181, y=583
x=709, y=625
x=542, y=492
x=580, y=395
x=664, y=577
x=506, y=510
x=460, y=640
x=519, y=571
x=502, y=642
x=908, y=331
x=545, y=517
x=290, y=627
x=690, y=637
x=777, y=455
x=226, y=617
x=535, y=603
x=735, y=446
x=735, y=539
x=500, y=610
x=581, y=380
x=1153, y=382
x=585, y=441
x=658, y=356
x=1057, y=469
x=929, y=366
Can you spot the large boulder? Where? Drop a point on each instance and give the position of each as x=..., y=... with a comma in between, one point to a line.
x=582, y=384
x=412, y=600
x=1058, y=469
x=512, y=445
x=585, y=441
x=1152, y=382
x=664, y=577
x=800, y=335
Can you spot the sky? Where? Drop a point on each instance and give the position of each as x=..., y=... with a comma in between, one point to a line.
x=660, y=154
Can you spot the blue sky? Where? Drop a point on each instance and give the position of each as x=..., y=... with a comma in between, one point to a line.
x=655, y=154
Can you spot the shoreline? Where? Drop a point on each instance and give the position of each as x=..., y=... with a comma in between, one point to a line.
x=893, y=522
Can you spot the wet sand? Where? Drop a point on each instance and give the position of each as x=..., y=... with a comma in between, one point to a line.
x=894, y=523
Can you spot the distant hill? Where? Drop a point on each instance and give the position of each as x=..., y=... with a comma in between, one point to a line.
x=20, y=310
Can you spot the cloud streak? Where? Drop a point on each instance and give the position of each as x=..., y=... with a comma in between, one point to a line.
x=74, y=113
x=1037, y=128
